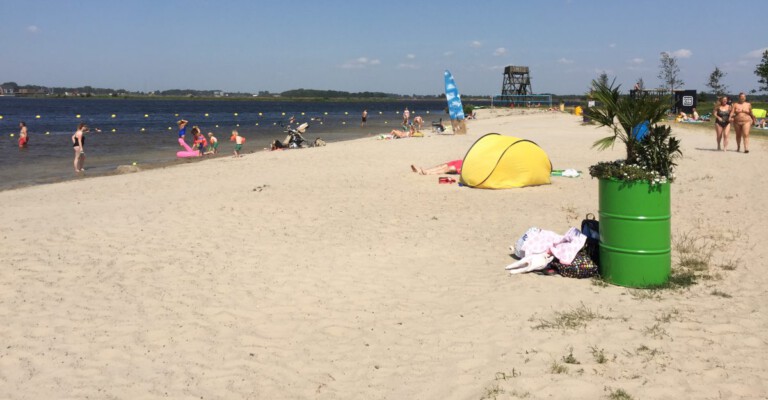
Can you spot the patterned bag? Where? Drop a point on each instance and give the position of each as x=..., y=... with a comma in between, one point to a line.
x=590, y=227
x=581, y=267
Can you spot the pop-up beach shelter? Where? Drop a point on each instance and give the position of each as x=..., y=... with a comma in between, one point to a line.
x=502, y=162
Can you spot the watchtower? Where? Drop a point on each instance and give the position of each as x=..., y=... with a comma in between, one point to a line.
x=517, y=81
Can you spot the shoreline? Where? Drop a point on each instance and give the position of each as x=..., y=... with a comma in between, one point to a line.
x=304, y=274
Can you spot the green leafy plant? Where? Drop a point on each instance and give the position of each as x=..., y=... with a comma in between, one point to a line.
x=650, y=158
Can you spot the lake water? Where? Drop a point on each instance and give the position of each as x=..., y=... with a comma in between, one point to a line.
x=144, y=131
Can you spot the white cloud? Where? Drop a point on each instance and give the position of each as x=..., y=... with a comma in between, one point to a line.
x=407, y=66
x=682, y=53
x=360, y=62
x=500, y=51
x=448, y=53
x=410, y=56
x=636, y=61
x=612, y=45
x=564, y=60
x=476, y=44
x=757, y=53
x=33, y=29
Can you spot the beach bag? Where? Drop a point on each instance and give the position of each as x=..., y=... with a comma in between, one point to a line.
x=581, y=267
x=519, y=244
x=590, y=227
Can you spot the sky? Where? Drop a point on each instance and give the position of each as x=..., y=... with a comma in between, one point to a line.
x=389, y=46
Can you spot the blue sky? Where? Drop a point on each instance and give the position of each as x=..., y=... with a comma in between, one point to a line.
x=392, y=46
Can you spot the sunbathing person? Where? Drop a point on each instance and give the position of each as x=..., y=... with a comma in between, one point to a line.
x=402, y=133
x=451, y=167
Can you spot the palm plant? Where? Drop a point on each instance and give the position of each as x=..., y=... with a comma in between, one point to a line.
x=649, y=156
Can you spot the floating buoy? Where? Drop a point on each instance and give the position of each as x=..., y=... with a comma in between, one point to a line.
x=169, y=128
x=114, y=130
x=113, y=115
x=380, y=113
x=206, y=114
x=134, y=163
x=346, y=113
x=217, y=126
x=326, y=113
x=176, y=115
x=1, y=117
x=386, y=122
x=47, y=133
x=283, y=113
x=235, y=114
x=257, y=124
x=274, y=123
x=302, y=113
x=77, y=116
x=427, y=111
x=142, y=129
x=238, y=125
x=12, y=134
x=260, y=114
x=37, y=116
x=344, y=122
x=146, y=115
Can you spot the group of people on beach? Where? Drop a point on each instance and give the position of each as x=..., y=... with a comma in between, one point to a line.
x=210, y=145
x=408, y=129
x=740, y=115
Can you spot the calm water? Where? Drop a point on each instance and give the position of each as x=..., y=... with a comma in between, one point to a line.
x=144, y=131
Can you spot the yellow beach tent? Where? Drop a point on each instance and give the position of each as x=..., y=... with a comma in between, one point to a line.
x=758, y=112
x=503, y=162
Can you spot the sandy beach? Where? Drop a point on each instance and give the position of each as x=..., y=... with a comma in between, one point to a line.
x=337, y=273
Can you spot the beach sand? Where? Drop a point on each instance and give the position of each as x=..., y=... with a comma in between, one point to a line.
x=337, y=273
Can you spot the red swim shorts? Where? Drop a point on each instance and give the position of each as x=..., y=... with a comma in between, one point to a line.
x=456, y=164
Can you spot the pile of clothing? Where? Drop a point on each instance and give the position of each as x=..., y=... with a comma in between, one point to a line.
x=551, y=253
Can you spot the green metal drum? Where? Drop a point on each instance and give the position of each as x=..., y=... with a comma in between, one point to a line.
x=635, y=233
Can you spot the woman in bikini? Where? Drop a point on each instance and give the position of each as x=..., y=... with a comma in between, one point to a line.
x=722, y=113
x=741, y=113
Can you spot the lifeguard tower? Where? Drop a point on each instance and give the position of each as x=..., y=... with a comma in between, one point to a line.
x=517, y=81
x=516, y=90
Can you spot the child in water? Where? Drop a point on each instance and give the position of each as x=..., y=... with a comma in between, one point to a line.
x=213, y=144
x=199, y=141
x=239, y=140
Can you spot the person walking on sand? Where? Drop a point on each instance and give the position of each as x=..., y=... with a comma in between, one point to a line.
x=722, y=113
x=364, y=118
x=78, y=144
x=743, y=119
x=406, y=116
x=239, y=140
x=23, y=137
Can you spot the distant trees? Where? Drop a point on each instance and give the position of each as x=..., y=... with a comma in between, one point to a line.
x=762, y=72
x=718, y=88
x=669, y=71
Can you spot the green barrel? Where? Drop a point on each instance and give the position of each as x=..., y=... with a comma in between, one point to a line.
x=635, y=233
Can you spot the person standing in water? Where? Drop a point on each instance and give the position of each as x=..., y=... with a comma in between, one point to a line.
x=406, y=116
x=182, y=130
x=23, y=136
x=78, y=144
x=364, y=118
